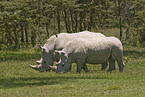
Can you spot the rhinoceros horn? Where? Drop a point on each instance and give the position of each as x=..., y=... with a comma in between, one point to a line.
x=39, y=62
x=35, y=67
x=53, y=67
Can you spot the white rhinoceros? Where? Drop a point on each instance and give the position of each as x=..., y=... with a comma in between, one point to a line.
x=92, y=51
x=57, y=42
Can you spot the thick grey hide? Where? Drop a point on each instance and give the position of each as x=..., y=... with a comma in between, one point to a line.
x=92, y=51
x=58, y=43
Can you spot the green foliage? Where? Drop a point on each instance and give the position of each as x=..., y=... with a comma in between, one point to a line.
x=19, y=80
x=114, y=88
x=31, y=21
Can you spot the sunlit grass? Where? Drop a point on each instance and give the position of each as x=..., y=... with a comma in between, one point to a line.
x=18, y=80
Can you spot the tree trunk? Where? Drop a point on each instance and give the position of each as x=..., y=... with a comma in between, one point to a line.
x=120, y=20
x=84, y=26
x=26, y=33
x=72, y=22
x=120, y=24
x=58, y=21
x=16, y=38
x=33, y=38
x=47, y=29
x=65, y=20
x=8, y=38
x=76, y=22
x=90, y=22
x=12, y=38
x=22, y=34
x=127, y=28
x=68, y=23
x=81, y=28
x=2, y=38
x=127, y=31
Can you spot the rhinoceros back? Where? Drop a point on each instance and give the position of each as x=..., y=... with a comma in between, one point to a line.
x=58, y=42
x=93, y=49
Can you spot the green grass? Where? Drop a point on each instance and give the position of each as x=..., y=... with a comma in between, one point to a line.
x=18, y=80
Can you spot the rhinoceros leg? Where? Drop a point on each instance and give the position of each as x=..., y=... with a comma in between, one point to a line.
x=104, y=65
x=111, y=65
x=121, y=65
x=80, y=63
x=85, y=68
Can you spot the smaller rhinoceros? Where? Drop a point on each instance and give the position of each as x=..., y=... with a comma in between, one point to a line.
x=92, y=51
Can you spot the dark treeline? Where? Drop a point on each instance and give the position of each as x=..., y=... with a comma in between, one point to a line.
x=24, y=22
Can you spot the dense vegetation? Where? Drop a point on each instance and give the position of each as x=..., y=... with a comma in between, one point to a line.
x=26, y=23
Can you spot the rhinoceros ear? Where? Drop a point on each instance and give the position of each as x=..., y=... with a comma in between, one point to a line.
x=43, y=49
x=57, y=52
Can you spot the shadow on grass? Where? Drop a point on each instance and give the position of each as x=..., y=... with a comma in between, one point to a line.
x=134, y=53
x=40, y=81
x=20, y=57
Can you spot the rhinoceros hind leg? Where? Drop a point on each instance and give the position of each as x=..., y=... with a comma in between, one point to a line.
x=111, y=65
x=104, y=65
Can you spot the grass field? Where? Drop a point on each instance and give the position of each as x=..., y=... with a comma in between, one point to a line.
x=18, y=80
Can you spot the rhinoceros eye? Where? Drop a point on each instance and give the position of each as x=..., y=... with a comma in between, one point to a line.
x=62, y=64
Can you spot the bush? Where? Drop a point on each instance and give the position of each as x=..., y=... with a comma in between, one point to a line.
x=142, y=35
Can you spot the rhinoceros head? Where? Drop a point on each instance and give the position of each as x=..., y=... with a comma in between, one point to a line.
x=46, y=59
x=64, y=64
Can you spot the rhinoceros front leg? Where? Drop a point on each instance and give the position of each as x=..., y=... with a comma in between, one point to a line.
x=121, y=65
x=85, y=68
x=80, y=63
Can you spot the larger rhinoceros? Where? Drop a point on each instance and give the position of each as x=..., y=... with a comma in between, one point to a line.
x=92, y=51
x=57, y=42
